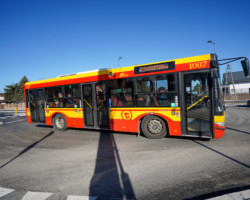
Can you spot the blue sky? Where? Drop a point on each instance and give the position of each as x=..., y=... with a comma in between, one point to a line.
x=46, y=38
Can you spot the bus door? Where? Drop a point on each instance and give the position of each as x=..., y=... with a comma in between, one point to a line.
x=95, y=105
x=37, y=105
x=196, y=104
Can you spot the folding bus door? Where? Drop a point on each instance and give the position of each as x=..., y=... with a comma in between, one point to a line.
x=37, y=101
x=95, y=105
x=196, y=108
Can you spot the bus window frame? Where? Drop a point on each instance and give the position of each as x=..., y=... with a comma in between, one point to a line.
x=175, y=91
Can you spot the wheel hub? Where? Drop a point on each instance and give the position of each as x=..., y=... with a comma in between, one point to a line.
x=60, y=122
x=155, y=126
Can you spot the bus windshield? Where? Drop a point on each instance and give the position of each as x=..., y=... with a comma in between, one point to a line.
x=218, y=100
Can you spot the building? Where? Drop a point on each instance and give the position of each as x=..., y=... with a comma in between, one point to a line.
x=2, y=102
x=1, y=98
x=241, y=83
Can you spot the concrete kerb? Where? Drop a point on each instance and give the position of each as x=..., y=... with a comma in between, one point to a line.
x=236, y=101
x=10, y=111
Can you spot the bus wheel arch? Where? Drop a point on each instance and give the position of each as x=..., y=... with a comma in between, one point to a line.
x=59, y=122
x=154, y=126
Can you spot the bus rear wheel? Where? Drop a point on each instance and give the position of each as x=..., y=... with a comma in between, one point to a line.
x=154, y=127
x=60, y=122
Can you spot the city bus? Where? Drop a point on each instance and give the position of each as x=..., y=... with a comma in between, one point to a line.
x=181, y=97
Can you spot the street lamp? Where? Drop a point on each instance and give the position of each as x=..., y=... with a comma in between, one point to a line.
x=210, y=41
x=119, y=62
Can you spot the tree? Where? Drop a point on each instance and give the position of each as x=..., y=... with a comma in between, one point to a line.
x=10, y=93
x=198, y=88
x=15, y=93
x=20, y=91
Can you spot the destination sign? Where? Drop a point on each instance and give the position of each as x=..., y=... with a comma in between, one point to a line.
x=155, y=68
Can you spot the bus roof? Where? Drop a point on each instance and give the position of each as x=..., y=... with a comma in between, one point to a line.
x=182, y=64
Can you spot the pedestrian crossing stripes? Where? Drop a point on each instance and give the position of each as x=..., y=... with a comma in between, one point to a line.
x=245, y=194
x=36, y=195
x=70, y=197
x=41, y=195
x=15, y=121
x=5, y=191
x=20, y=120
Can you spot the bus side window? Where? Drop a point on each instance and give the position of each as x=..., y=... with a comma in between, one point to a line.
x=156, y=91
x=121, y=92
x=144, y=84
x=72, y=96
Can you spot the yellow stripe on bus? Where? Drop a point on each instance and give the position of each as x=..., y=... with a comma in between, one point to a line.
x=68, y=112
x=219, y=118
x=133, y=113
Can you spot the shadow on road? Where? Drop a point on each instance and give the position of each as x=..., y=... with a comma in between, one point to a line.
x=241, y=163
x=242, y=106
x=237, y=130
x=43, y=126
x=109, y=179
x=27, y=149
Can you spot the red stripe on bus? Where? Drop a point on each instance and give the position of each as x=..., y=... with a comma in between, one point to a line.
x=124, y=125
x=174, y=128
x=63, y=109
x=75, y=122
x=71, y=122
x=219, y=131
x=156, y=114
x=28, y=119
x=148, y=110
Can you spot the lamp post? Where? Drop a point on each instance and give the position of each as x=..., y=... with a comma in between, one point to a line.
x=210, y=41
x=119, y=62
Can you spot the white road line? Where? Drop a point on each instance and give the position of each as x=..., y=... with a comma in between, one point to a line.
x=36, y=195
x=5, y=117
x=15, y=121
x=1, y=123
x=236, y=195
x=71, y=197
x=5, y=191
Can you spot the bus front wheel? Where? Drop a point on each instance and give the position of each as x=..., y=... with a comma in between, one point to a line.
x=154, y=127
x=60, y=122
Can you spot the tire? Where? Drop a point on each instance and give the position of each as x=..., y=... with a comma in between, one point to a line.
x=60, y=122
x=248, y=103
x=154, y=127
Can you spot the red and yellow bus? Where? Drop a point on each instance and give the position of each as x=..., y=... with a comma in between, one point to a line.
x=180, y=97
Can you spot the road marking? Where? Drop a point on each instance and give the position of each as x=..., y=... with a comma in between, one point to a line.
x=15, y=121
x=1, y=123
x=245, y=194
x=71, y=197
x=36, y=195
x=5, y=191
x=5, y=117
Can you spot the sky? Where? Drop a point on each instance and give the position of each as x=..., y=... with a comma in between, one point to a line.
x=43, y=39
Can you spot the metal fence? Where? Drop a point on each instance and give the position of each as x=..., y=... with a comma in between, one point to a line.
x=12, y=106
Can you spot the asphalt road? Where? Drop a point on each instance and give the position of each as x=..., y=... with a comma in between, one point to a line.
x=122, y=166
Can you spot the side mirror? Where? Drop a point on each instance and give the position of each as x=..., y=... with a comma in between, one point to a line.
x=245, y=66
